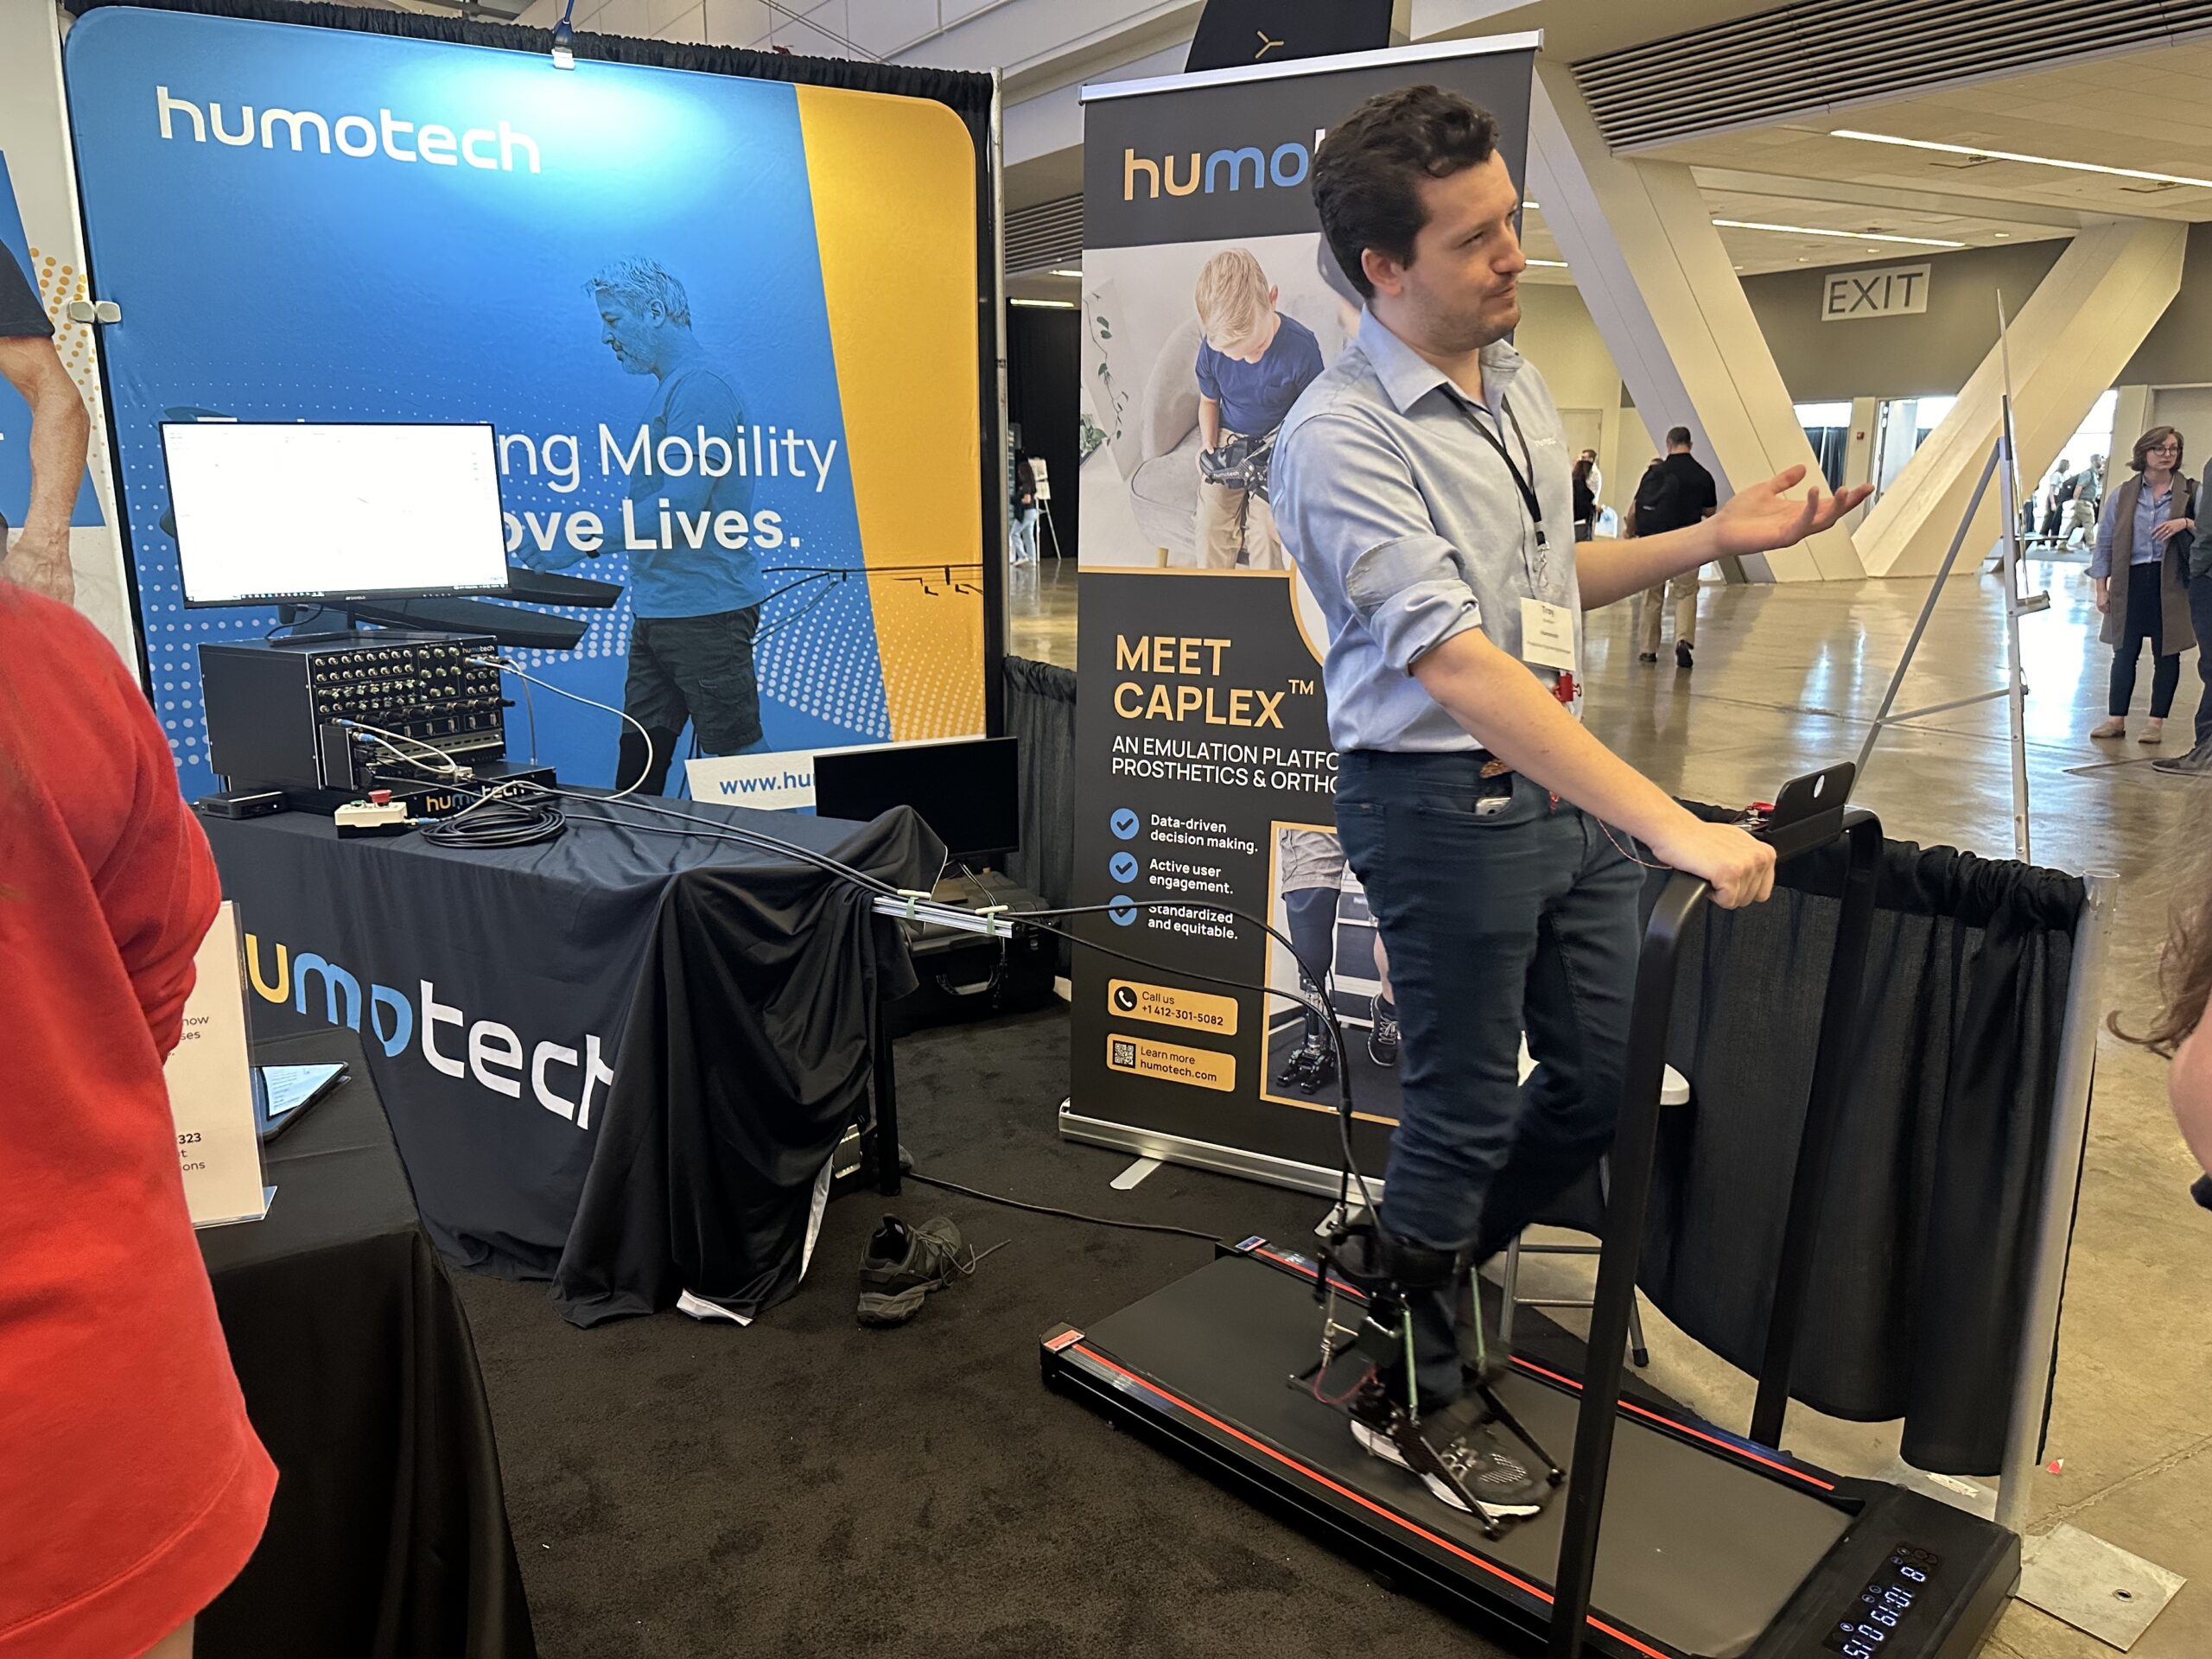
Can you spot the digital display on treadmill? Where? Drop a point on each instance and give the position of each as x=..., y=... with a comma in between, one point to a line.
x=1865, y=1628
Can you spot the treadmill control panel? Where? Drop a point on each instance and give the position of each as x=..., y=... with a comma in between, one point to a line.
x=1866, y=1627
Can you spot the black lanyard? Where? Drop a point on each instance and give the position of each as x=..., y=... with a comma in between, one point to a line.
x=1522, y=480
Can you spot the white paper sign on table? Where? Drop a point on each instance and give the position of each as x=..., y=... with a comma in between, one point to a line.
x=211, y=1087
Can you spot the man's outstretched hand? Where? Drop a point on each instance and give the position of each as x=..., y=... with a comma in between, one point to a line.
x=1766, y=516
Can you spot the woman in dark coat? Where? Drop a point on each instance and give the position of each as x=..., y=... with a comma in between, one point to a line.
x=2142, y=578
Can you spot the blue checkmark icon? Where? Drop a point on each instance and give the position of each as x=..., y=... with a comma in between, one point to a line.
x=1122, y=866
x=1122, y=909
x=1125, y=824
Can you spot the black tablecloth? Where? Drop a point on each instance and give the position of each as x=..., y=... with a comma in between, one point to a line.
x=388, y=1537
x=494, y=990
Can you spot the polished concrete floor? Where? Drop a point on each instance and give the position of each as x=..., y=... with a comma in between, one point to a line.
x=1786, y=678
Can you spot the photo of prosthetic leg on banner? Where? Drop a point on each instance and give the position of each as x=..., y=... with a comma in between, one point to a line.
x=1316, y=899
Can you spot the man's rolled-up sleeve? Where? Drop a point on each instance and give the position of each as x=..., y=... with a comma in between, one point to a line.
x=1354, y=506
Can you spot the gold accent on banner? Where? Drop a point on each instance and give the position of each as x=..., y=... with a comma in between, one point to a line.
x=895, y=216
x=1170, y=1005
x=1199, y=1068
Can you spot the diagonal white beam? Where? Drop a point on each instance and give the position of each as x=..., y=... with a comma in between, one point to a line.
x=2069, y=342
x=1662, y=291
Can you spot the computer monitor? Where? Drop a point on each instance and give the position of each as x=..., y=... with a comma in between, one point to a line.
x=274, y=510
x=969, y=790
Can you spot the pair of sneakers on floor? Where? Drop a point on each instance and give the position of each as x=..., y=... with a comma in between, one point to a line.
x=902, y=1265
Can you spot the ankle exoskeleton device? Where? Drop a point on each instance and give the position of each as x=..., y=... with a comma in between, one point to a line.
x=1364, y=1280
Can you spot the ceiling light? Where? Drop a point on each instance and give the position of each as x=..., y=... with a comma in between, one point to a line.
x=1048, y=305
x=2002, y=235
x=2016, y=155
x=1847, y=236
x=1064, y=271
x=1548, y=264
x=1534, y=206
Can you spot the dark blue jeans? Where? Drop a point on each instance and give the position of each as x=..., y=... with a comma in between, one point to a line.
x=1503, y=912
x=2145, y=625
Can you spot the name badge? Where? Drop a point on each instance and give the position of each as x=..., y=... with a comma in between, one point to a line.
x=1546, y=635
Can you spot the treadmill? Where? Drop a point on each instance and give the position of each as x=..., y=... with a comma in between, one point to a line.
x=1673, y=1539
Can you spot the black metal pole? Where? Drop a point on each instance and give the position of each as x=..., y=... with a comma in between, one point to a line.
x=1835, y=1061
x=887, y=1107
x=1635, y=1146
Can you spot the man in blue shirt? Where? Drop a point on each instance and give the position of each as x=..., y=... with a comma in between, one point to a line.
x=1422, y=484
x=1253, y=362
x=695, y=601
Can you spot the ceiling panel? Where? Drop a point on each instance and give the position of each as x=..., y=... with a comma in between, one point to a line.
x=2143, y=110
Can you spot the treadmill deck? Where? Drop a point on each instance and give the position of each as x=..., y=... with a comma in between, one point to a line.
x=1698, y=1553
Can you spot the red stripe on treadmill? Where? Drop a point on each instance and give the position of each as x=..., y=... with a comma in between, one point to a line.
x=1364, y=1501
x=1729, y=1447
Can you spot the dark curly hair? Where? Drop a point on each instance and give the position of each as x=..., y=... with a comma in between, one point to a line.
x=1366, y=177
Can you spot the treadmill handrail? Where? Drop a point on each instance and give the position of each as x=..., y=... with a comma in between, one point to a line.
x=1634, y=1149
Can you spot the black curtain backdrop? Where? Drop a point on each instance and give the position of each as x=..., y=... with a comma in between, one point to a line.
x=968, y=95
x=1928, y=1225
x=1044, y=352
x=1040, y=711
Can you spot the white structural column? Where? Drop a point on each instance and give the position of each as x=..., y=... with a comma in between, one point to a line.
x=1640, y=242
x=2069, y=342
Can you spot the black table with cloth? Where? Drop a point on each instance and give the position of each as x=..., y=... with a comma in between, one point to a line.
x=388, y=1536
x=619, y=1060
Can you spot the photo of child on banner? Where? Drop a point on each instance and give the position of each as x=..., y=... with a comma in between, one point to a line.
x=1178, y=479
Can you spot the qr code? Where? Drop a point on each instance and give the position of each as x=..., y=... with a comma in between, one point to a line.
x=1123, y=1055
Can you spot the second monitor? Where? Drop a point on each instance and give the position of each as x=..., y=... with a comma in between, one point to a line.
x=969, y=790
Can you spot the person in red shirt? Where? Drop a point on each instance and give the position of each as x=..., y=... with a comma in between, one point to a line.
x=132, y=1488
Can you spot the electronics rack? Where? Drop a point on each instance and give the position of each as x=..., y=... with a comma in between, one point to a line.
x=274, y=706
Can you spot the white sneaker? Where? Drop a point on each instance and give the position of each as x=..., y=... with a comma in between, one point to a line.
x=1503, y=1487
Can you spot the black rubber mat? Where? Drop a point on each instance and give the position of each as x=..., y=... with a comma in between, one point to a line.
x=1698, y=1551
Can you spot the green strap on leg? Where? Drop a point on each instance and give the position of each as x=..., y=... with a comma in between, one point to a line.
x=1413, y=1388
x=1475, y=1319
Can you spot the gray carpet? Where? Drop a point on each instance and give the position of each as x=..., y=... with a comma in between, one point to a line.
x=807, y=1488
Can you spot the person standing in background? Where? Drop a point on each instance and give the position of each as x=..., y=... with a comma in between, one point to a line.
x=132, y=1488
x=60, y=432
x=1585, y=496
x=1596, y=478
x=2142, y=580
x=1674, y=494
x=2056, y=494
x=2088, y=487
x=1025, y=511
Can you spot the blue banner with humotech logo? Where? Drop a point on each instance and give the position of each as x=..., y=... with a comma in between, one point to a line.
x=725, y=330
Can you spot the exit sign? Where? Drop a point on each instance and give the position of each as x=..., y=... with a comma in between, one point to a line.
x=1890, y=291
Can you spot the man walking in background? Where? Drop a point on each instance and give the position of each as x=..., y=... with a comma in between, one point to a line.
x=694, y=602
x=59, y=433
x=1674, y=494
